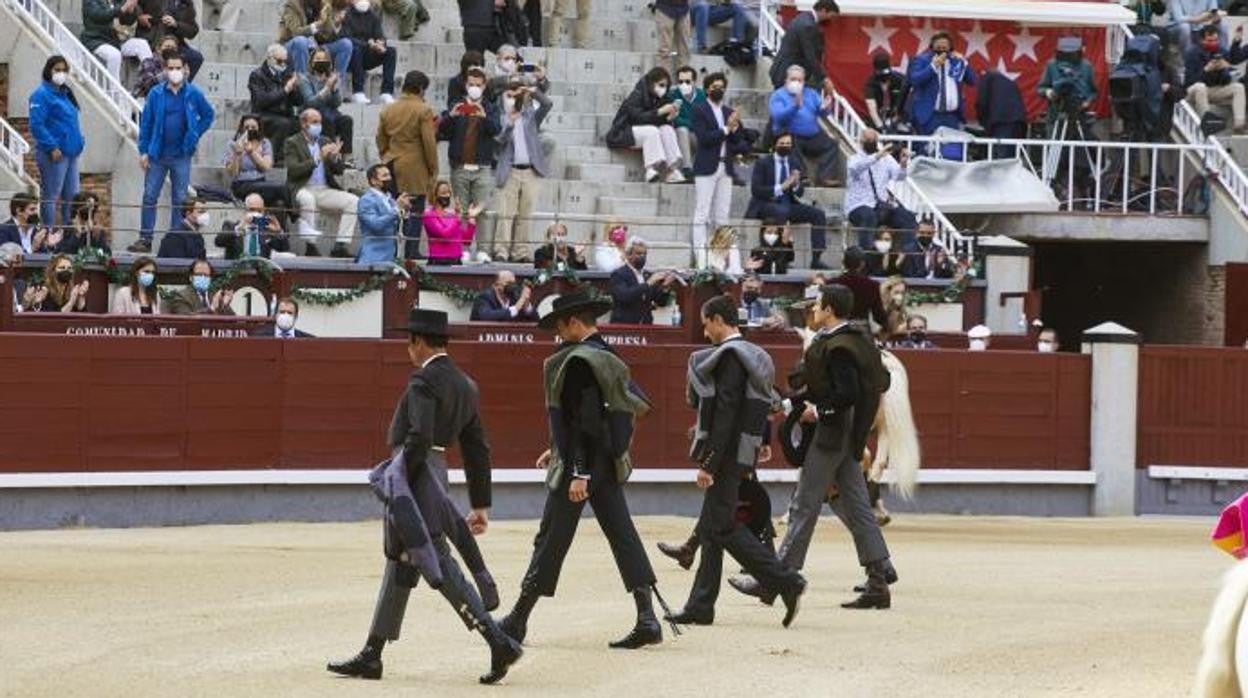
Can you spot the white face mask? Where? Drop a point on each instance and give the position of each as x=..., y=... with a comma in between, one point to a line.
x=1044, y=347
x=507, y=66
x=686, y=90
x=175, y=76
x=285, y=321
x=770, y=238
x=978, y=344
x=509, y=103
x=59, y=78
x=795, y=86
x=660, y=91
x=883, y=246
x=362, y=6
x=203, y=219
x=475, y=92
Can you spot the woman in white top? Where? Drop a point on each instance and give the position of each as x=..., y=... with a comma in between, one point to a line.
x=609, y=252
x=722, y=253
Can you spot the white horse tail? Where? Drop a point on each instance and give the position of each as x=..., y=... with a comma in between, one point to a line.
x=1217, y=676
x=898, y=444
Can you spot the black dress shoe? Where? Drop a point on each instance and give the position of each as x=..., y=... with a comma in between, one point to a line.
x=687, y=617
x=340, y=251
x=363, y=665
x=890, y=578
x=642, y=634
x=487, y=589
x=791, y=599
x=682, y=554
x=872, y=598
x=516, y=628
x=503, y=653
x=140, y=246
x=311, y=250
x=750, y=587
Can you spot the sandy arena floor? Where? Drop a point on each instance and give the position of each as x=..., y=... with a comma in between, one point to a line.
x=985, y=607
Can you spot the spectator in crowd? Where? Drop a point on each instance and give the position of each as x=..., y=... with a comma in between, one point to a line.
x=558, y=253
x=759, y=311
x=885, y=94
x=885, y=257
x=1046, y=341
x=775, y=189
x=285, y=317
x=480, y=32
x=258, y=234
x=100, y=19
x=1189, y=16
x=916, y=335
x=867, y=299
x=64, y=296
x=559, y=28
x=174, y=118
x=722, y=254
x=313, y=163
x=936, y=78
x=410, y=14
x=803, y=45
x=707, y=12
x=457, y=86
x=635, y=293
x=685, y=94
x=407, y=142
x=363, y=26
x=774, y=253
x=609, y=253
x=509, y=67
x=275, y=97
x=319, y=90
x=140, y=295
x=868, y=199
x=248, y=158
x=380, y=216
x=160, y=18
x=198, y=298
x=449, y=227
x=83, y=231
x=307, y=24
x=921, y=256
x=25, y=296
x=1001, y=111
x=24, y=226
x=152, y=70
x=54, y=123
x=504, y=301
x=796, y=109
x=644, y=122
x=1068, y=83
x=520, y=170
x=942, y=266
x=1208, y=78
x=185, y=239
x=470, y=127
x=671, y=19
x=896, y=314
x=510, y=23
x=720, y=139
x=978, y=338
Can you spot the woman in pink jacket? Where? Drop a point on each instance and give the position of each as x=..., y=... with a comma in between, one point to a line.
x=447, y=231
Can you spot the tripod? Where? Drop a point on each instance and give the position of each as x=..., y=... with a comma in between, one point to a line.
x=1067, y=127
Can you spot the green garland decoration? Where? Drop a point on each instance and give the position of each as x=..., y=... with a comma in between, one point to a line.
x=259, y=265
x=332, y=297
x=462, y=296
x=950, y=294
x=713, y=277
x=96, y=256
x=561, y=272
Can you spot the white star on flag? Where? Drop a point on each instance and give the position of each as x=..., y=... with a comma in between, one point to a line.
x=878, y=36
x=1000, y=68
x=923, y=31
x=977, y=42
x=1024, y=44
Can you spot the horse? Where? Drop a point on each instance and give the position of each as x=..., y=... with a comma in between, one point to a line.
x=1223, y=669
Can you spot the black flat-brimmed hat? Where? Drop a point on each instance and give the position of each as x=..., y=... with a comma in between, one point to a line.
x=572, y=303
x=426, y=322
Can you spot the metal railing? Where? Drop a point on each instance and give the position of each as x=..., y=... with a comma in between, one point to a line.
x=13, y=149
x=90, y=73
x=1219, y=163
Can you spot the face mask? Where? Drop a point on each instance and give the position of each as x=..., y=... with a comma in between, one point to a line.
x=59, y=78
x=201, y=283
x=146, y=279
x=560, y=238
x=64, y=275
x=794, y=87
x=285, y=321
x=175, y=76
x=510, y=290
x=978, y=345
x=507, y=66
x=770, y=238
x=883, y=246
x=320, y=67
x=444, y=201
x=1044, y=347
x=509, y=103
x=639, y=262
x=660, y=91
x=686, y=90
x=617, y=236
x=1210, y=46
x=32, y=219
x=749, y=297
x=869, y=147
x=716, y=94
x=783, y=151
x=203, y=220
x=314, y=131
x=918, y=336
x=362, y=6
x=276, y=67
x=474, y=92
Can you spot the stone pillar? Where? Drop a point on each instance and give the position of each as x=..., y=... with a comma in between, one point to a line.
x=1115, y=352
x=1007, y=269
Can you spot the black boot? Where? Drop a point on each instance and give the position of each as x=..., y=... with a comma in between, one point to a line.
x=876, y=594
x=791, y=597
x=751, y=587
x=487, y=588
x=516, y=623
x=816, y=260
x=504, y=651
x=365, y=665
x=647, y=630
x=684, y=553
x=890, y=576
x=340, y=251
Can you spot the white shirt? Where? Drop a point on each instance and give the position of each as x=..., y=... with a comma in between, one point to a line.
x=777, y=189
x=727, y=261
x=521, y=154
x=283, y=334
x=318, y=175
x=433, y=358
x=641, y=278
x=862, y=170
x=948, y=98
x=607, y=257
x=28, y=239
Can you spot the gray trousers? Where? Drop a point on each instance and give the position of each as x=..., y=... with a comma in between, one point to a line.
x=476, y=187
x=829, y=462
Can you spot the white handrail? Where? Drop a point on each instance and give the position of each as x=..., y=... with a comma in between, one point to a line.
x=89, y=72
x=13, y=149
x=1216, y=160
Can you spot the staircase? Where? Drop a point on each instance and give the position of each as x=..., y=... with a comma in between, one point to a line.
x=13, y=150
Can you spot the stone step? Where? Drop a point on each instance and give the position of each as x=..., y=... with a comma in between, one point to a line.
x=597, y=172
x=628, y=208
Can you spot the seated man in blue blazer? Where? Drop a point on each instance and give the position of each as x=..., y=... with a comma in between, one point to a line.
x=633, y=291
x=504, y=302
x=774, y=195
x=720, y=139
x=186, y=239
x=283, y=326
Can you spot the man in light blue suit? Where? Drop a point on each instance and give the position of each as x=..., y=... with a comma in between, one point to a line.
x=379, y=215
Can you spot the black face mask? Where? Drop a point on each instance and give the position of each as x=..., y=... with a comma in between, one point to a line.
x=511, y=290
x=749, y=297
x=639, y=262
x=65, y=275
x=322, y=68
x=783, y=151
x=716, y=94
x=918, y=336
x=32, y=219
x=444, y=201
x=870, y=147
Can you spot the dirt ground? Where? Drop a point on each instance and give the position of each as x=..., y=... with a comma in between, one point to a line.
x=985, y=607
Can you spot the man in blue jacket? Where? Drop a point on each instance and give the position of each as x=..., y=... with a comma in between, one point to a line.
x=796, y=108
x=775, y=195
x=379, y=215
x=174, y=118
x=937, y=76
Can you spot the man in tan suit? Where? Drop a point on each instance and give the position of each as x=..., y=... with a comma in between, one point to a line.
x=408, y=143
x=198, y=298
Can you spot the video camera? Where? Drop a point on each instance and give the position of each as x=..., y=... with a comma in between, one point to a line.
x=1068, y=89
x=1135, y=86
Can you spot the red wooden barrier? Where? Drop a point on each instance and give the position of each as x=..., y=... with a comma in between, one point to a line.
x=1193, y=406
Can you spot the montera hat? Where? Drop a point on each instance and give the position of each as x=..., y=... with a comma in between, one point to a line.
x=573, y=303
